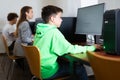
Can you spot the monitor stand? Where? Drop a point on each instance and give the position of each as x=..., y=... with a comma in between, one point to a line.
x=99, y=39
x=90, y=39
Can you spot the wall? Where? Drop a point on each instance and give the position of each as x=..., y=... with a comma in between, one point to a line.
x=110, y=4
x=69, y=6
x=85, y=3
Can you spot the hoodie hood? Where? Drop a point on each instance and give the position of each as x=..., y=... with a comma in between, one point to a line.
x=43, y=28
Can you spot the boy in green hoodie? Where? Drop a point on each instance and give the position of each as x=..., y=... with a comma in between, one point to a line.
x=52, y=44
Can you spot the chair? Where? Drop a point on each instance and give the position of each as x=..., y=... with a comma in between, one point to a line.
x=105, y=67
x=33, y=57
x=7, y=50
x=2, y=52
x=12, y=57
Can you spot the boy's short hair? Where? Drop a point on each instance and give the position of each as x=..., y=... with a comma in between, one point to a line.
x=49, y=10
x=12, y=16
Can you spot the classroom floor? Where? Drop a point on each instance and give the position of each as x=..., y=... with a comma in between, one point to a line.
x=10, y=70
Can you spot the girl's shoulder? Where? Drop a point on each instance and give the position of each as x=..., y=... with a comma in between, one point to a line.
x=24, y=23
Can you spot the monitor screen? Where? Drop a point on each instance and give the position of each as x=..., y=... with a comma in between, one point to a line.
x=68, y=27
x=90, y=20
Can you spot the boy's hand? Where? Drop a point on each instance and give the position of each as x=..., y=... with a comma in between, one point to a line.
x=99, y=47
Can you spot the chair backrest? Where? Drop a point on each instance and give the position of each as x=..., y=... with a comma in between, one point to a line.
x=32, y=55
x=105, y=67
x=2, y=48
x=5, y=45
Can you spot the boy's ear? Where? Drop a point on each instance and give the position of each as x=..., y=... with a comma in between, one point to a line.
x=52, y=18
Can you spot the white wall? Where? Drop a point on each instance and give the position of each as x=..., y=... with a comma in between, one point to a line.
x=111, y=4
x=69, y=6
x=85, y=3
x=7, y=6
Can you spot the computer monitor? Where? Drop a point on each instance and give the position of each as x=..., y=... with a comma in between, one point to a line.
x=38, y=20
x=68, y=27
x=90, y=20
x=34, y=24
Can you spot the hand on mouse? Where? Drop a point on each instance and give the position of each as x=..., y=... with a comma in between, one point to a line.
x=97, y=46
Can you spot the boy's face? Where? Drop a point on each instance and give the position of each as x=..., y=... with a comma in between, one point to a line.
x=14, y=20
x=56, y=19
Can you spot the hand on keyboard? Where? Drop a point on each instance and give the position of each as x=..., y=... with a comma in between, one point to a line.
x=98, y=47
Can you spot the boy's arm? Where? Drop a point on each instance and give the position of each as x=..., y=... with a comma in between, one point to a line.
x=61, y=46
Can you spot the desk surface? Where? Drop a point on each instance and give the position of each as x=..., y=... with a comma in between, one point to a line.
x=107, y=56
x=84, y=59
x=82, y=56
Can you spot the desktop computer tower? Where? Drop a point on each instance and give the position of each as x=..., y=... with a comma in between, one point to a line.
x=111, y=32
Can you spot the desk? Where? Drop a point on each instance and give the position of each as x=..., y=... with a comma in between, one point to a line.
x=107, y=56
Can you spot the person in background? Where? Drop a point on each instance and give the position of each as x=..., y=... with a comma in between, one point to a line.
x=52, y=44
x=9, y=31
x=23, y=32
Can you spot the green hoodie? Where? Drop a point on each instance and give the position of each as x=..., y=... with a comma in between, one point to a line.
x=52, y=44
